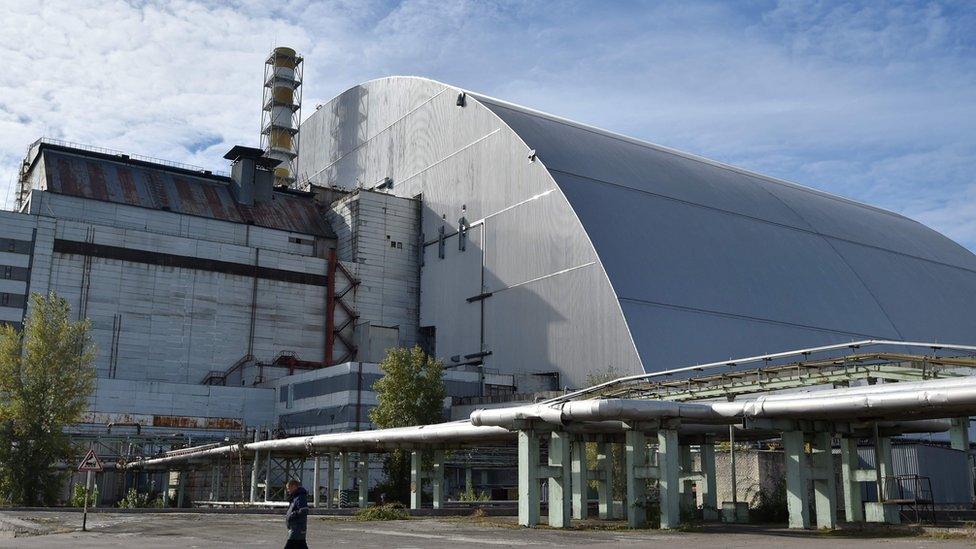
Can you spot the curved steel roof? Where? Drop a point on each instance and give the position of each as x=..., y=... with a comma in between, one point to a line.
x=710, y=261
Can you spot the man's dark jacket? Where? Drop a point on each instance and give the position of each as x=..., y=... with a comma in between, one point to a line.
x=297, y=515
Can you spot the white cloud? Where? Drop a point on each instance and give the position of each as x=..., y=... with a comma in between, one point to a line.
x=869, y=100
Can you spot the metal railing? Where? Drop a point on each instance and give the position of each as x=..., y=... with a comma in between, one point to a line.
x=121, y=154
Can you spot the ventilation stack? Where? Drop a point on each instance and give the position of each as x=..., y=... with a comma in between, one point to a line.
x=281, y=112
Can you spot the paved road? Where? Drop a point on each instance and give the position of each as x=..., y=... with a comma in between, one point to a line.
x=185, y=531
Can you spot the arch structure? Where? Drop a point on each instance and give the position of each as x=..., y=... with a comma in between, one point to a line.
x=551, y=246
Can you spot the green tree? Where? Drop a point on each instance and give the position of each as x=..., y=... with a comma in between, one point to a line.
x=411, y=392
x=46, y=376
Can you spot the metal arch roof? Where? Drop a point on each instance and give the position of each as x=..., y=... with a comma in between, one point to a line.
x=710, y=261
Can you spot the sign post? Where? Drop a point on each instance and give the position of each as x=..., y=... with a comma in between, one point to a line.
x=89, y=465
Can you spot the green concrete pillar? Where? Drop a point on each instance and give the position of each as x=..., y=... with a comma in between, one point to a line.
x=330, y=481
x=604, y=480
x=580, y=478
x=824, y=483
x=883, y=465
x=796, y=486
x=254, y=476
x=342, y=481
x=528, y=478
x=363, y=475
x=560, y=502
x=850, y=486
x=708, y=486
x=635, y=447
x=468, y=482
x=686, y=482
x=959, y=440
x=416, y=479
x=180, y=488
x=437, y=479
x=316, y=480
x=668, y=460
x=166, y=488
x=267, y=477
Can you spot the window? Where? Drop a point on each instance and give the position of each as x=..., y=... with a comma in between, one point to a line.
x=4, y=299
x=8, y=272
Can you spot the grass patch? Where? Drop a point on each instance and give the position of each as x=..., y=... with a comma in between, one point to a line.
x=389, y=511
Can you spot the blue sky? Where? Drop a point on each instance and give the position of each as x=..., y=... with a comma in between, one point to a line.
x=870, y=100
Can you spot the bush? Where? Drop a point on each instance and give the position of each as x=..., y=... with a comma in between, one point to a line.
x=390, y=511
x=134, y=500
x=470, y=495
x=78, y=496
x=770, y=505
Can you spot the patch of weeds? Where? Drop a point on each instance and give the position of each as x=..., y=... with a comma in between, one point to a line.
x=389, y=511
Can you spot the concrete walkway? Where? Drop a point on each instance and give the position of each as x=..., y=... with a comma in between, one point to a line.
x=185, y=531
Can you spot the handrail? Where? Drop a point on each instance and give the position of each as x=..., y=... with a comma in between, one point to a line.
x=113, y=152
x=758, y=358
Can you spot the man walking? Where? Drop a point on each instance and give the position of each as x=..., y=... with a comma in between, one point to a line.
x=297, y=515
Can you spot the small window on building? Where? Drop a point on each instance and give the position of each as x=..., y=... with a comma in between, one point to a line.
x=11, y=246
x=8, y=272
x=4, y=299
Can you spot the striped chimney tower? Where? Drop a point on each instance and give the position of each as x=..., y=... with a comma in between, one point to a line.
x=281, y=112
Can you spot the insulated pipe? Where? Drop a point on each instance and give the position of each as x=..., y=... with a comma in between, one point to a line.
x=926, y=399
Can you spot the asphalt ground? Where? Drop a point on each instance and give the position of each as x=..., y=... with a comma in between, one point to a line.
x=58, y=529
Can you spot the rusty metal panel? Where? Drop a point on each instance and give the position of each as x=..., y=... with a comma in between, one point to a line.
x=188, y=422
x=88, y=175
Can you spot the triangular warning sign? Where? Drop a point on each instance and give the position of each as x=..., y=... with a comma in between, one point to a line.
x=90, y=463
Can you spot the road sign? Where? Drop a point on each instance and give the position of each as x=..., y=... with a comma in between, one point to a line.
x=90, y=463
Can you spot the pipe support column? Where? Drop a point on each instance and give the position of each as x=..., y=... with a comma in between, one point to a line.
x=416, y=479
x=528, y=478
x=579, y=482
x=851, y=487
x=560, y=502
x=363, y=475
x=668, y=470
x=796, y=486
x=316, y=480
x=604, y=480
x=959, y=440
x=708, y=486
x=635, y=444
x=824, y=483
x=437, y=479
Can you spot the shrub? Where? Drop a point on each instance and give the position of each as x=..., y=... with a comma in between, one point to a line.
x=770, y=505
x=470, y=495
x=390, y=511
x=78, y=496
x=134, y=500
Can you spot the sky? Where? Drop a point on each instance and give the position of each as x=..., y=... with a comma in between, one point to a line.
x=875, y=101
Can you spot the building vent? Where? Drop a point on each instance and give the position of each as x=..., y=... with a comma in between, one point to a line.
x=253, y=174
